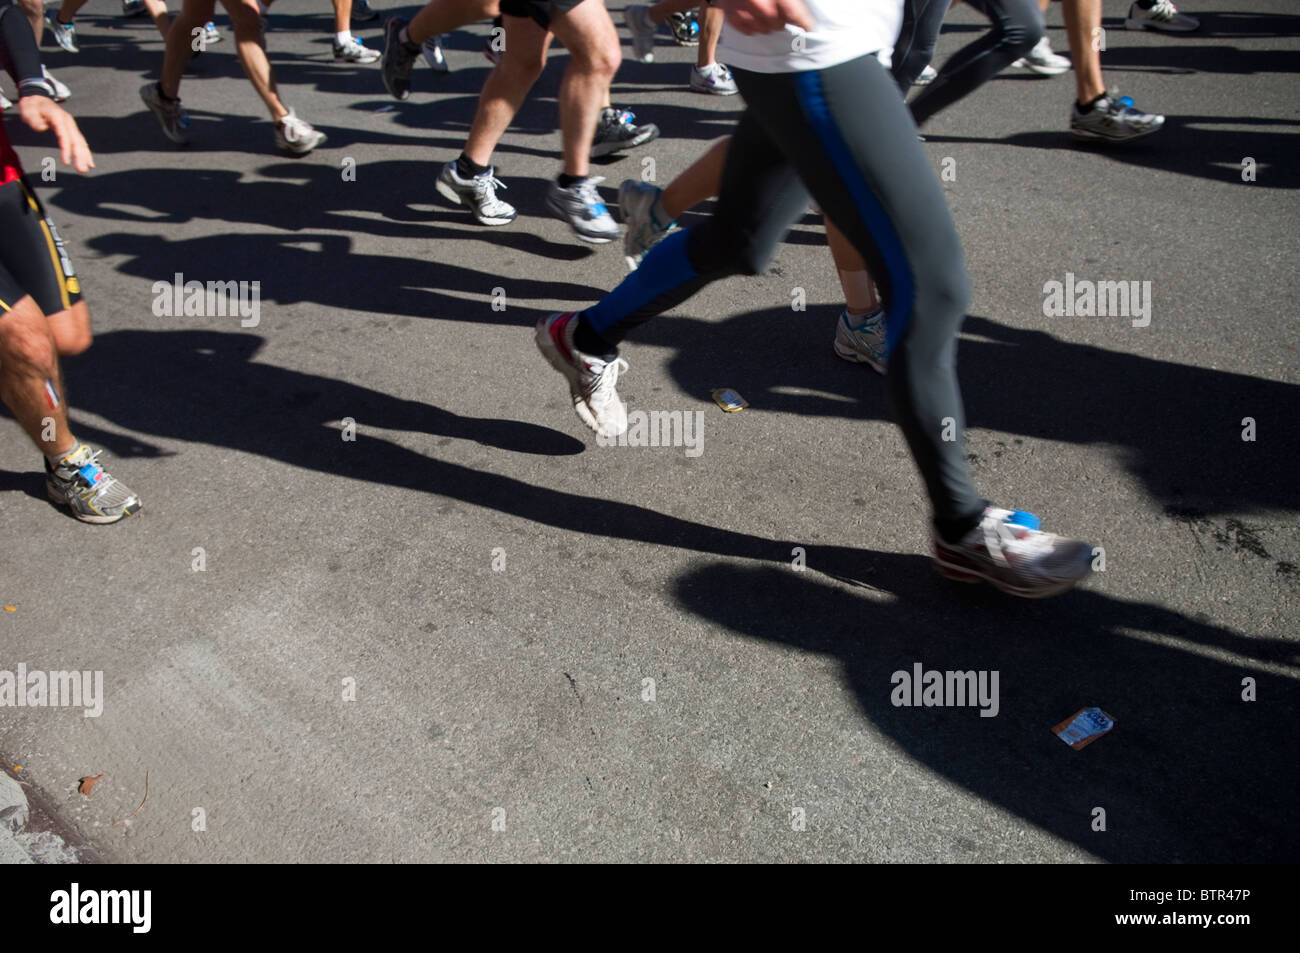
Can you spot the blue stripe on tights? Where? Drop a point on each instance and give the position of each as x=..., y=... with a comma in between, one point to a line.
x=812, y=97
x=664, y=268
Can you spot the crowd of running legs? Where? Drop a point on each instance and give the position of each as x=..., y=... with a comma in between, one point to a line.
x=827, y=126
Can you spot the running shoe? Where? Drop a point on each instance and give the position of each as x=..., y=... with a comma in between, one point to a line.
x=582, y=207
x=81, y=484
x=173, y=119
x=354, y=51
x=61, y=91
x=714, y=79
x=297, y=136
x=65, y=34
x=5, y=102
x=592, y=380
x=636, y=205
x=211, y=34
x=927, y=76
x=132, y=8
x=1042, y=60
x=1113, y=119
x=862, y=339
x=363, y=12
x=398, y=60
x=433, y=55
x=616, y=131
x=1009, y=550
x=478, y=194
x=1163, y=16
x=685, y=28
x=642, y=28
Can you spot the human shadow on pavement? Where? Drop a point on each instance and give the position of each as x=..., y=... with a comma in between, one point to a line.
x=1191, y=772
x=323, y=269
x=1187, y=145
x=204, y=386
x=1176, y=427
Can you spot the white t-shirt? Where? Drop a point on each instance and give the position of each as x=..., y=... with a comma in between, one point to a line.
x=842, y=30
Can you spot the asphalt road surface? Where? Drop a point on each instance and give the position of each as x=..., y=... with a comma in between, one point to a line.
x=471, y=633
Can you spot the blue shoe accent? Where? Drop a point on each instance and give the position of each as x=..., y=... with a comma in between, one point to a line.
x=1021, y=518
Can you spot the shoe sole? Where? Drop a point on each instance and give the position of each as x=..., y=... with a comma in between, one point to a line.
x=1148, y=25
x=607, y=148
x=447, y=192
x=1085, y=136
x=965, y=574
x=546, y=344
x=1045, y=70
x=94, y=520
x=854, y=356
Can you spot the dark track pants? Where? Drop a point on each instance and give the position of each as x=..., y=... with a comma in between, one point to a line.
x=844, y=132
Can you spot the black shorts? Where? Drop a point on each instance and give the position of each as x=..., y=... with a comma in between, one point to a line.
x=33, y=260
x=539, y=10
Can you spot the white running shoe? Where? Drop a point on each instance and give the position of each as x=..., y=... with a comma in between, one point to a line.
x=714, y=79
x=61, y=91
x=297, y=136
x=65, y=34
x=642, y=28
x=478, y=194
x=1043, y=61
x=354, y=51
x=592, y=381
x=927, y=76
x=1163, y=16
x=1008, y=550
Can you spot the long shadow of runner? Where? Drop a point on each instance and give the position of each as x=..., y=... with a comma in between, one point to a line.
x=1176, y=427
x=1190, y=773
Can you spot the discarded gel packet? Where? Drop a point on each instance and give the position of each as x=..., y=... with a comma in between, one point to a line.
x=729, y=400
x=1084, y=727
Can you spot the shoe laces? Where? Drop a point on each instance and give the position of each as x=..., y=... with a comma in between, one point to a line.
x=585, y=189
x=485, y=185
x=1163, y=10
x=601, y=389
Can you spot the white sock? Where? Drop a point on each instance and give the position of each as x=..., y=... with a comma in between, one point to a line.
x=344, y=38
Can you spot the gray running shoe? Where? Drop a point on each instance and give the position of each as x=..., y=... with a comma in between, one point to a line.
x=398, y=60
x=1163, y=16
x=636, y=204
x=863, y=341
x=175, y=123
x=615, y=131
x=478, y=194
x=582, y=207
x=132, y=8
x=82, y=485
x=65, y=34
x=433, y=55
x=1113, y=119
x=363, y=12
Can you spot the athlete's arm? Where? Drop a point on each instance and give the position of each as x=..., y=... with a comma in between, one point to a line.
x=36, y=107
x=765, y=16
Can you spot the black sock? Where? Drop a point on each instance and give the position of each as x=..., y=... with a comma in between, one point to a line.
x=165, y=97
x=1146, y=4
x=586, y=340
x=59, y=20
x=1091, y=105
x=951, y=531
x=564, y=180
x=467, y=168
